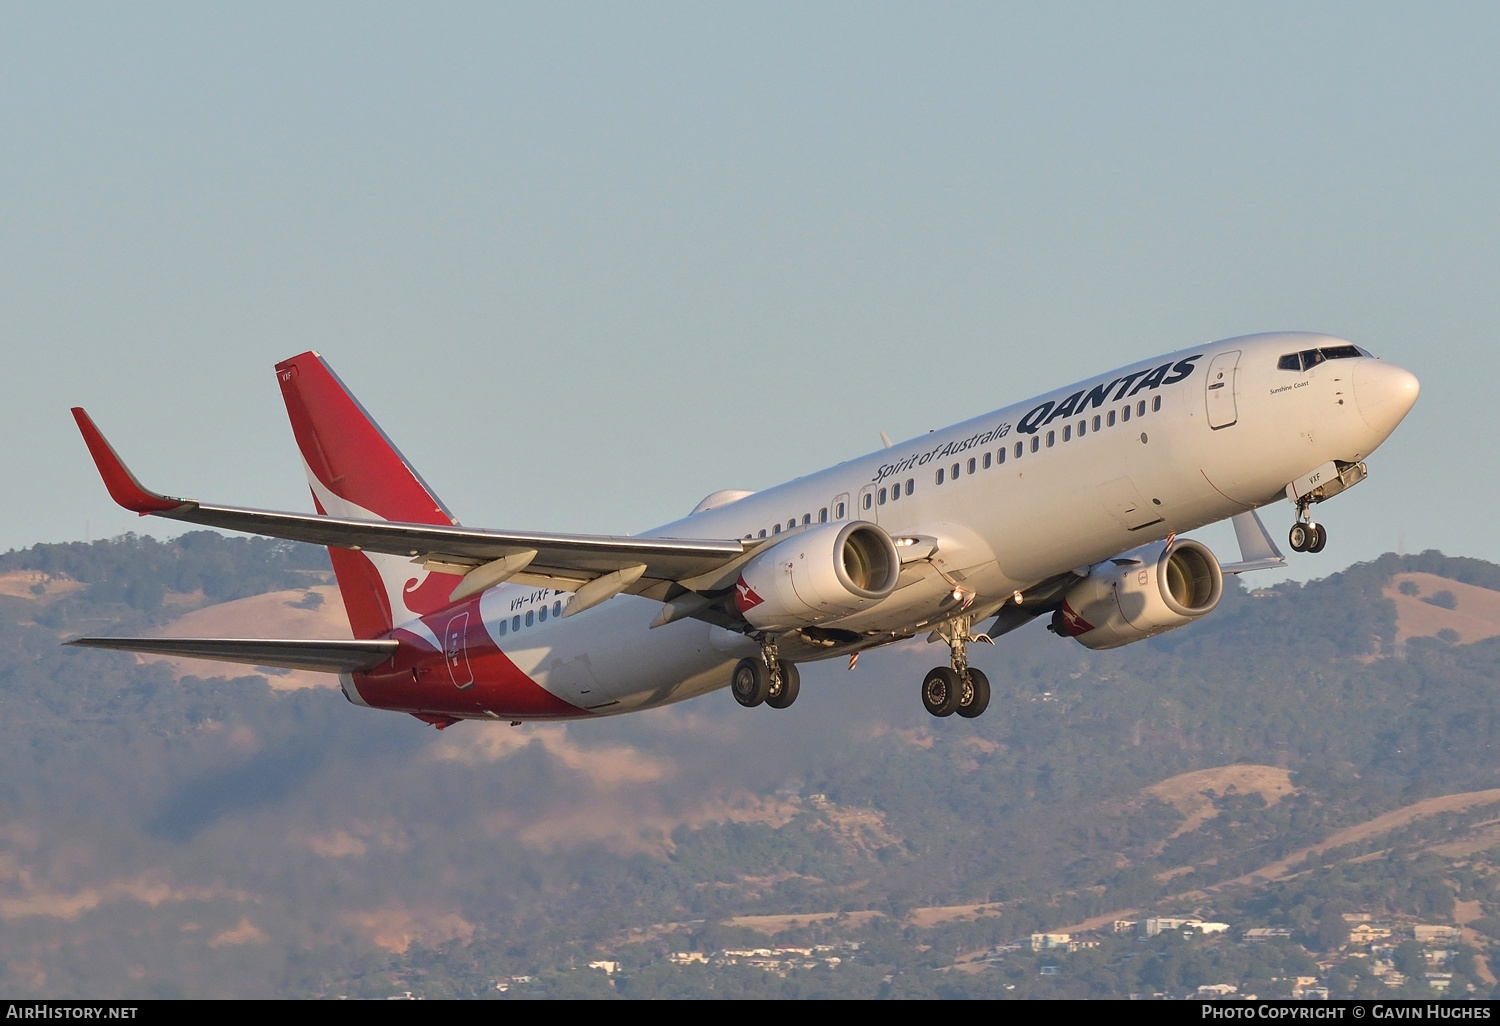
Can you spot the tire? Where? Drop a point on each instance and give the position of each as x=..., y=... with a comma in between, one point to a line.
x=941, y=691
x=791, y=686
x=978, y=694
x=750, y=682
x=1299, y=537
x=1320, y=538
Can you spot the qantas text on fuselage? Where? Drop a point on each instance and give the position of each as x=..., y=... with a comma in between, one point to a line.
x=1071, y=505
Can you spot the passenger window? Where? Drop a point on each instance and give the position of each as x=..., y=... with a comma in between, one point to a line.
x=530, y=617
x=791, y=524
x=806, y=519
x=1140, y=408
x=1125, y=414
x=1051, y=438
x=1291, y=362
x=882, y=496
x=776, y=529
x=557, y=608
x=869, y=501
x=515, y=623
x=955, y=471
x=504, y=626
x=911, y=486
x=1020, y=449
x=840, y=513
x=1036, y=443
x=1083, y=428
x=541, y=614
x=1096, y=422
x=939, y=476
x=1067, y=432
x=1156, y=404
x=762, y=532
x=971, y=465
x=895, y=491
x=823, y=515
x=987, y=460
x=1111, y=418
x=1000, y=455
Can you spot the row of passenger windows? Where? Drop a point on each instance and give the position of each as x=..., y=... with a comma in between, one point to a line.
x=839, y=513
x=1310, y=358
x=1099, y=423
x=894, y=492
x=533, y=616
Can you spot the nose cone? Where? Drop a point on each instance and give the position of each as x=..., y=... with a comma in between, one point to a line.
x=1384, y=393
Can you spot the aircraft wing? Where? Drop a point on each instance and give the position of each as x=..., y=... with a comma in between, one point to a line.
x=1258, y=550
x=566, y=561
x=326, y=656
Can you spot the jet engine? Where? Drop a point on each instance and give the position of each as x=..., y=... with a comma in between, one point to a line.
x=819, y=575
x=1141, y=594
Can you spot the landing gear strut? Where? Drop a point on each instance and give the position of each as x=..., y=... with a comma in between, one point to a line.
x=958, y=687
x=765, y=679
x=1306, y=536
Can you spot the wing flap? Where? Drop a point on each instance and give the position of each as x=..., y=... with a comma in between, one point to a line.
x=322, y=656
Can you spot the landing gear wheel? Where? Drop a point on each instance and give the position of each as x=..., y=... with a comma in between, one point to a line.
x=941, y=691
x=1320, y=538
x=791, y=684
x=1300, y=537
x=751, y=682
x=976, y=697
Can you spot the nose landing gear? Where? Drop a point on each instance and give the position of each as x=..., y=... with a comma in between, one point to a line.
x=1306, y=536
x=958, y=687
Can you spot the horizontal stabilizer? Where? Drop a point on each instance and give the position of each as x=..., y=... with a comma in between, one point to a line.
x=323, y=656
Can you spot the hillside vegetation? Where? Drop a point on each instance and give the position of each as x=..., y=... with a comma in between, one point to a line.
x=1285, y=762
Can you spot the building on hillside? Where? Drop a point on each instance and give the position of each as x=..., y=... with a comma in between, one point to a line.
x=1367, y=933
x=1047, y=941
x=1430, y=934
x=1160, y=923
x=687, y=957
x=1257, y=934
x=1217, y=990
x=1157, y=924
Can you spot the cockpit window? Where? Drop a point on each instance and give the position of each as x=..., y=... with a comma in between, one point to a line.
x=1310, y=358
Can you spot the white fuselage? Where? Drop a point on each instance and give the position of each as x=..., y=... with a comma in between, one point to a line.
x=1087, y=483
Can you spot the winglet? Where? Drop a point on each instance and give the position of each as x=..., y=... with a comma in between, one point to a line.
x=122, y=485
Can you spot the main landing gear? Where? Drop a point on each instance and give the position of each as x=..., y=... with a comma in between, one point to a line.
x=958, y=687
x=1306, y=536
x=765, y=679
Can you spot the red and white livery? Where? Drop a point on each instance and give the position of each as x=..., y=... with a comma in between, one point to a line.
x=1069, y=504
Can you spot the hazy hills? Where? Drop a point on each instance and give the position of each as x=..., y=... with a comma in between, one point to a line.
x=162, y=834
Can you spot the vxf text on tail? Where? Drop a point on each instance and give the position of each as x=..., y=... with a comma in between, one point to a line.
x=1070, y=504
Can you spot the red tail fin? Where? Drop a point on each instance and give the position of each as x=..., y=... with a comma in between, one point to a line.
x=355, y=471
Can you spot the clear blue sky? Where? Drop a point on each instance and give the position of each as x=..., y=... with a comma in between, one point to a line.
x=589, y=263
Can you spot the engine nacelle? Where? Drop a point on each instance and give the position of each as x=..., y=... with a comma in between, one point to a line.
x=1141, y=594
x=820, y=575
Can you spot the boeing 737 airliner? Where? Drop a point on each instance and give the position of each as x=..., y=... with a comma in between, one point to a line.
x=1070, y=504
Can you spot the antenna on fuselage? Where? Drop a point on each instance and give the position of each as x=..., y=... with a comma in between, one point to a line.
x=886, y=440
